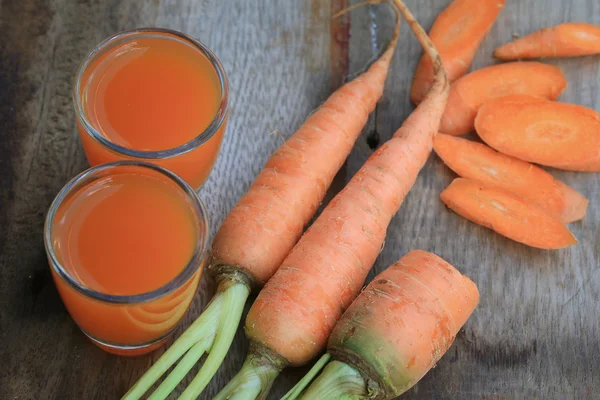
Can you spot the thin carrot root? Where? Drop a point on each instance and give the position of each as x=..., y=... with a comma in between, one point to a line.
x=296, y=310
x=357, y=5
x=564, y=40
x=395, y=331
x=457, y=33
x=470, y=92
x=507, y=214
x=479, y=162
x=266, y=223
x=558, y=135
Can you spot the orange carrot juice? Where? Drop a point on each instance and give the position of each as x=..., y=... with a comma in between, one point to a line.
x=154, y=95
x=126, y=244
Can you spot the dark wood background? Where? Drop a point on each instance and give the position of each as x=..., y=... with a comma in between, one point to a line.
x=536, y=332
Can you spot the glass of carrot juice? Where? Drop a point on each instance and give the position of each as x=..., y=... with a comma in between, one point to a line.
x=153, y=95
x=126, y=243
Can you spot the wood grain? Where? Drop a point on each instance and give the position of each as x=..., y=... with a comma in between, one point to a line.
x=536, y=331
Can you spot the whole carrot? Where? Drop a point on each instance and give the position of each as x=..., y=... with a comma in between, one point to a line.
x=564, y=40
x=456, y=33
x=471, y=91
x=481, y=163
x=394, y=332
x=293, y=315
x=559, y=135
x=268, y=220
x=507, y=214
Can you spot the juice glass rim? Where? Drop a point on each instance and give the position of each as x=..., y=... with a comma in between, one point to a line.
x=156, y=154
x=186, y=273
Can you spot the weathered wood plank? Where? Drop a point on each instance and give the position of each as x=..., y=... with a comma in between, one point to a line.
x=535, y=333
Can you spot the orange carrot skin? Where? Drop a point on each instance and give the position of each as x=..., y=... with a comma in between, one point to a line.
x=297, y=309
x=564, y=40
x=470, y=92
x=299, y=306
x=558, y=135
x=404, y=321
x=479, y=162
x=456, y=33
x=507, y=214
x=268, y=220
x=575, y=203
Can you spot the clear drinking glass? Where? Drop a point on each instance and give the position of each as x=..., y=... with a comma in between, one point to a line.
x=193, y=161
x=131, y=324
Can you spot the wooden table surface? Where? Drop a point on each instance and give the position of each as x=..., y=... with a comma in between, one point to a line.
x=536, y=332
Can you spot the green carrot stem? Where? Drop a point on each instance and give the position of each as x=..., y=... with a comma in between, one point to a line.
x=339, y=381
x=295, y=392
x=234, y=299
x=181, y=370
x=200, y=328
x=200, y=336
x=254, y=380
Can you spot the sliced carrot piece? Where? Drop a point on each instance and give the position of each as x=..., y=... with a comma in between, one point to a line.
x=471, y=91
x=479, y=162
x=456, y=33
x=564, y=40
x=507, y=214
x=575, y=203
x=559, y=135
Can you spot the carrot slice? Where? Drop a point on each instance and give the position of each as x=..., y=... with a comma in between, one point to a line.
x=470, y=92
x=456, y=33
x=564, y=40
x=575, y=203
x=507, y=214
x=479, y=162
x=559, y=135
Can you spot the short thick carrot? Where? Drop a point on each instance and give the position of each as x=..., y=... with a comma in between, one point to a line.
x=456, y=33
x=558, y=135
x=479, y=162
x=395, y=331
x=293, y=315
x=471, y=91
x=507, y=214
x=564, y=40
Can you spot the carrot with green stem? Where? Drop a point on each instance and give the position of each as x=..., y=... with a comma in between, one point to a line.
x=456, y=33
x=471, y=91
x=564, y=40
x=266, y=223
x=293, y=315
x=559, y=135
x=481, y=163
x=395, y=331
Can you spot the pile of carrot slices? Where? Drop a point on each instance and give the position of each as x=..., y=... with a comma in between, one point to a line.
x=512, y=107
